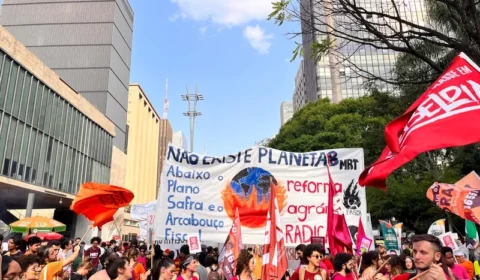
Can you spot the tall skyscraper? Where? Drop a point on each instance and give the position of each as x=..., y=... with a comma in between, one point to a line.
x=299, y=95
x=286, y=111
x=335, y=78
x=87, y=43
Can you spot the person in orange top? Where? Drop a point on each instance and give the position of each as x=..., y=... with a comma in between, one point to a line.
x=53, y=267
x=138, y=269
x=468, y=265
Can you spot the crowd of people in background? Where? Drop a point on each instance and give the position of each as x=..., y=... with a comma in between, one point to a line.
x=35, y=259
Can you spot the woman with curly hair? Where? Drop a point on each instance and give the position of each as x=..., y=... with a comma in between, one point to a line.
x=245, y=266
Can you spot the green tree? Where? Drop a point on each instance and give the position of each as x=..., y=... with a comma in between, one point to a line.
x=361, y=123
x=352, y=123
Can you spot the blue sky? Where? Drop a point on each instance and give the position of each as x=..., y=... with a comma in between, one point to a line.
x=238, y=59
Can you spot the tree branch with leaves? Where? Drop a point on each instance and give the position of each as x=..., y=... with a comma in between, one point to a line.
x=447, y=26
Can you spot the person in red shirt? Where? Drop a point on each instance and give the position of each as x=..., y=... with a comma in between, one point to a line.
x=343, y=264
x=93, y=253
x=313, y=270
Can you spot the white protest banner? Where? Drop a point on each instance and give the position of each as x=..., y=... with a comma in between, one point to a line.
x=199, y=193
x=140, y=212
x=448, y=240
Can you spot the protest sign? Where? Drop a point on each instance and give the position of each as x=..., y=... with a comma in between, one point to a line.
x=140, y=212
x=200, y=193
x=390, y=237
x=437, y=228
x=365, y=245
x=448, y=240
x=194, y=243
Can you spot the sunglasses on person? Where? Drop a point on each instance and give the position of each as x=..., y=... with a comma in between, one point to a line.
x=317, y=256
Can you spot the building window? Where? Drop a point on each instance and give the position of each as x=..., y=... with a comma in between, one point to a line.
x=41, y=133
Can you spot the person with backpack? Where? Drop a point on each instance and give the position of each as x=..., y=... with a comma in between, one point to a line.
x=214, y=271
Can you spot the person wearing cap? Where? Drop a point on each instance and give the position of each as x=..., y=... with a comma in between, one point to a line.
x=468, y=265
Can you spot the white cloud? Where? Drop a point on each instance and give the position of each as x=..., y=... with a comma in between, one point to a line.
x=203, y=30
x=258, y=39
x=225, y=12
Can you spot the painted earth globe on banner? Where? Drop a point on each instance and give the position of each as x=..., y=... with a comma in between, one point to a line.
x=249, y=191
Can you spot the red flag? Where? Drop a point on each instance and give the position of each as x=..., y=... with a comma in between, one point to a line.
x=446, y=115
x=99, y=202
x=230, y=251
x=274, y=259
x=339, y=239
x=360, y=235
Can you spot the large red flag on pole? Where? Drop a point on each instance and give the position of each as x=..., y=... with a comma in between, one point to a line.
x=230, y=251
x=446, y=115
x=339, y=239
x=274, y=259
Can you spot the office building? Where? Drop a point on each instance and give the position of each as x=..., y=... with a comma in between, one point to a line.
x=338, y=79
x=166, y=136
x=143, y=125
x=87, y=43
x=179, y=140
x=299, y=95
x=286, y=111
x=51, y=138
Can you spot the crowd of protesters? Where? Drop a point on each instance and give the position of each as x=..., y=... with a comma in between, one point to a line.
x=35, y=259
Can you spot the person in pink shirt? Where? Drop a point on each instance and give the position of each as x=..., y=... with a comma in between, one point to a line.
x=142, y=258
x=458, y=271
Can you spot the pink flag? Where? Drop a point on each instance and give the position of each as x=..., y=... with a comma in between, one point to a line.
x=339, y=239
x=231, y=249
x=360, y=236
x=274, y=259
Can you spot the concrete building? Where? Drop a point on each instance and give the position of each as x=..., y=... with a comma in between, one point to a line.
x=166, y=136
x=51, y=138
x=179, y=140
x=299, y=96
x=87, y=43
x=286, y=111
x=143, y=125
x=336, y=80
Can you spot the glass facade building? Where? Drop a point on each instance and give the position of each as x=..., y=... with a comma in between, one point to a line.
x=355, y=63
x=44, y=140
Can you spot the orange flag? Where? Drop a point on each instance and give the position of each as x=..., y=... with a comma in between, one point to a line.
x=461, y=198
x=99, y=202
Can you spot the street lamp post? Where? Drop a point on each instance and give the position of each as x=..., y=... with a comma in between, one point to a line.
x=192, y=112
